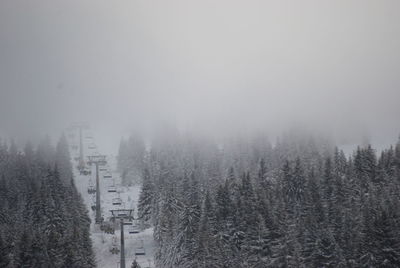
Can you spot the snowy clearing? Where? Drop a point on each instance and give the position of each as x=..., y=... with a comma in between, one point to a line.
x=103, y=242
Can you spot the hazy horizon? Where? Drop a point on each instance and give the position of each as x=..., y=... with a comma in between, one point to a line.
x=208, y=66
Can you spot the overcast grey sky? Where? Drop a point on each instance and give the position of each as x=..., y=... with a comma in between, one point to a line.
x=214, y=65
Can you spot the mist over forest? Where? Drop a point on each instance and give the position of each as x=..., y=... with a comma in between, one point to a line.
x=213, y=65
x=199, y=133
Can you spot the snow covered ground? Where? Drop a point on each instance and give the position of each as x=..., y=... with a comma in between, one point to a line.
x=103, y=242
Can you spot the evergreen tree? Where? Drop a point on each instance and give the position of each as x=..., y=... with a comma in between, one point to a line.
x=63, y=160
x=385, y=243
x=326, y=253
x=146, y=198
x=206, y=242
x=4, y=253
x=26, y=257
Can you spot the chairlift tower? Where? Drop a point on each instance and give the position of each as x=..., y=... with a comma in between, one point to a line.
x=122, y=214
x=80, y=126
x=97, y=160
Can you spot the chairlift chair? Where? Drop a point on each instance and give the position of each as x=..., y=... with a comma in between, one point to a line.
x=140, y=250
x=91, y=189
x=92, y=146
x=107, y=228
x=149, y=265
x=114, y=247
x=85, y=171
x=133, y=229
x=93, y=206
x=122, y=213
x=108, y=175
x=116, y=201
x=112, y=189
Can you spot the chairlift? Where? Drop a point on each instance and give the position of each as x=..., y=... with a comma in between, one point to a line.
x=149, y=265
x=85, y=171
x=107, y=227
x=122, y=213
x=114, y=247
x=140, y=250
x=133, y=229
x=116, y=201
x=91, y=189
x=108, y=175
x=92, y=146
x=128, y=223
x=103, y=169
x=93, y=203
x=112, y=189
x=93, y=206
x=93, y=154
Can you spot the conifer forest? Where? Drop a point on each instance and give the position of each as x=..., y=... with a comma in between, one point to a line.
x=199, y=134
x=300, y=203
x=43, y=221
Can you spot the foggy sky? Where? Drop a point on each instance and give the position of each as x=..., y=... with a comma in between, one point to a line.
x=209, y=65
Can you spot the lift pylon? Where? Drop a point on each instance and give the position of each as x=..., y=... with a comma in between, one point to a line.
x=122, y=214
x=80, y=126
x=97, y=160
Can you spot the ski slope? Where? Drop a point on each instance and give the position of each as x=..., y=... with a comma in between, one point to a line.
x=103, y=242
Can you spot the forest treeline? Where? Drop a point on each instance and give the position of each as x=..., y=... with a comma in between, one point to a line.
x=43, y=221
x=246, y=203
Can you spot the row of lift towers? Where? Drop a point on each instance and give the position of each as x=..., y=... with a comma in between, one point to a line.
x=124, y=216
